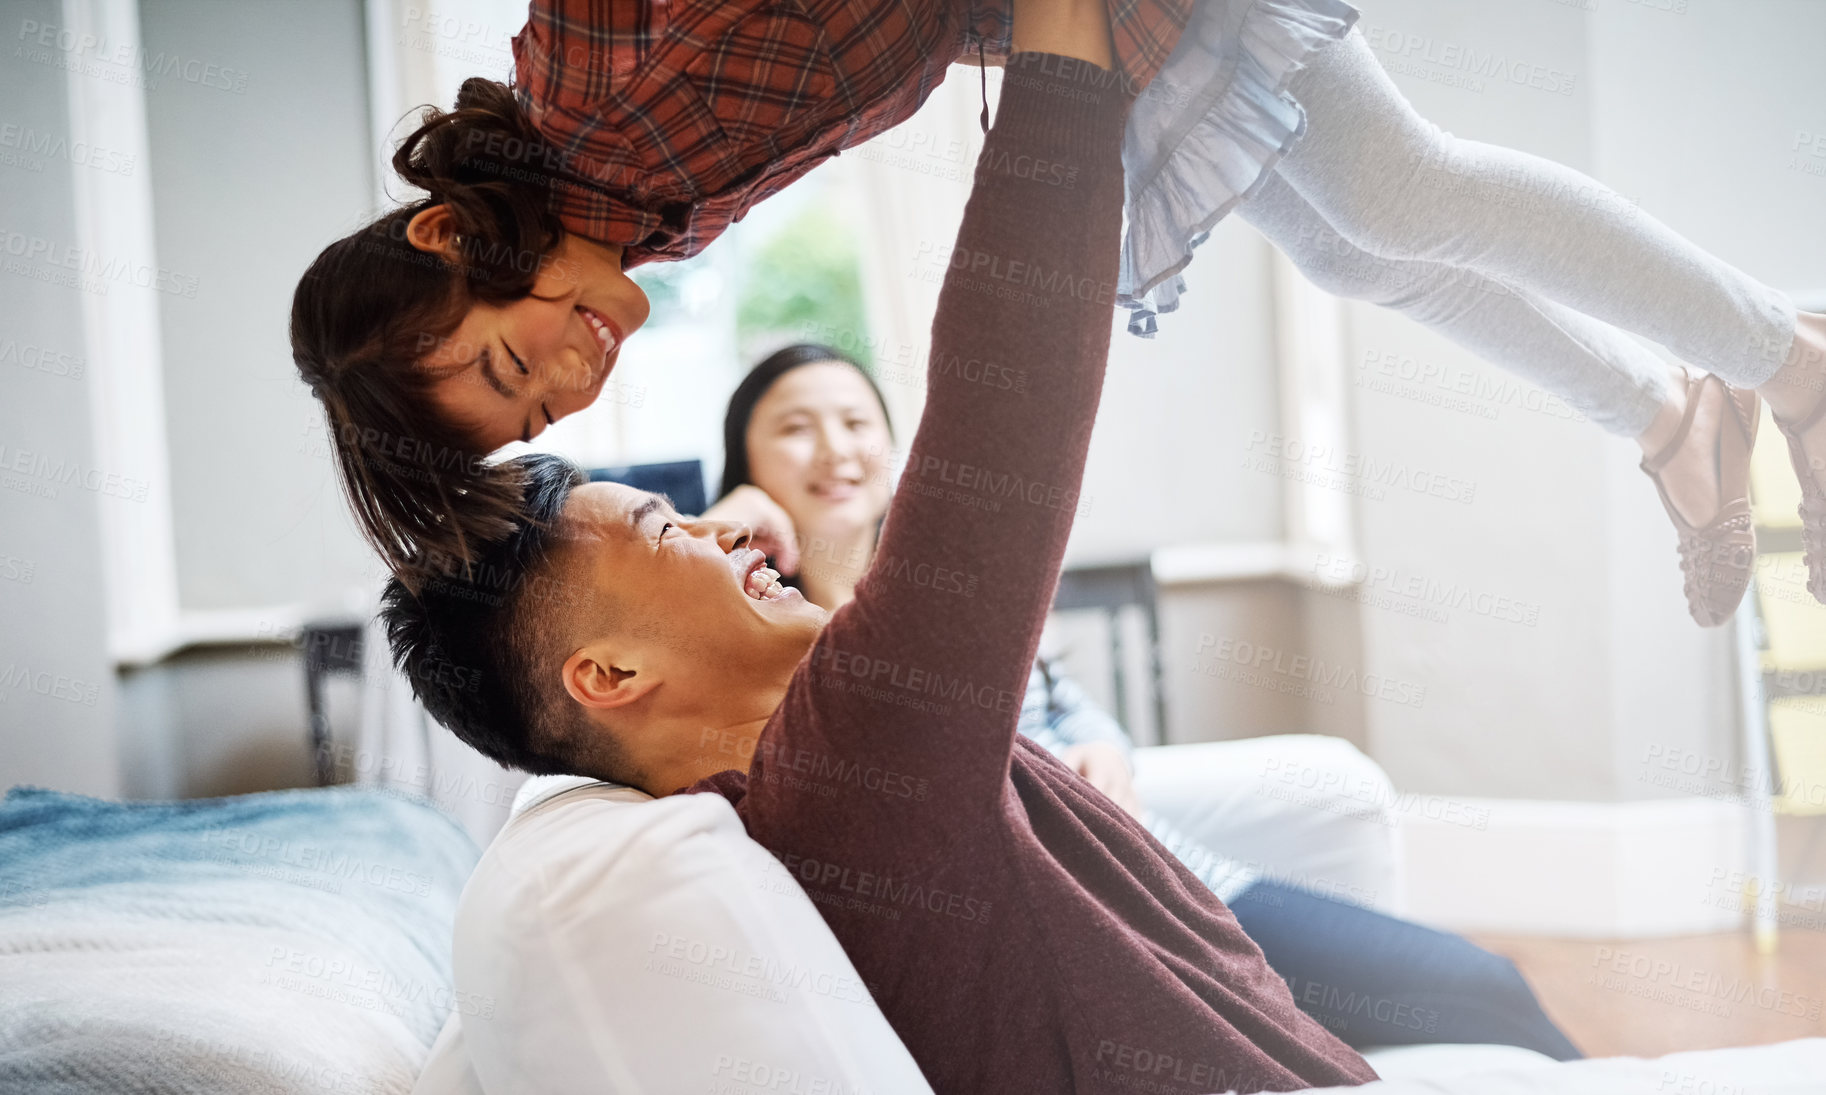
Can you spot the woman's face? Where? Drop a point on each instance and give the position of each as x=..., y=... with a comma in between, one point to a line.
x=818, y=444
x=517, y=368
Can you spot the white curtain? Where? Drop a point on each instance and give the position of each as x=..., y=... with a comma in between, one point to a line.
x=913, y=181
x=399, y=747
x=121, y=331
x=420, y=53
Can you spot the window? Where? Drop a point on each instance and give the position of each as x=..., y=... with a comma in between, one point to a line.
x=788, y=272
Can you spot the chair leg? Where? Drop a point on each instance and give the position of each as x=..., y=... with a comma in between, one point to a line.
x=1158, y=675
x=320, y=733
x=1759, y=800
x=1119, y=666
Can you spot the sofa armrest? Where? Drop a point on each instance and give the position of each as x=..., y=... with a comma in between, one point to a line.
x=1306, y=810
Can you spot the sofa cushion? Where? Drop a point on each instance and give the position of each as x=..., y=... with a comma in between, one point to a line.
x=633, y=944
x=1443, y=1062
x=1786, y=1068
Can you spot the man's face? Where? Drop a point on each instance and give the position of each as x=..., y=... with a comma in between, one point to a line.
x=688, y=613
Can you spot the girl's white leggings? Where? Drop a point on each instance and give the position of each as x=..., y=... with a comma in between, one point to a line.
x=1529, y=264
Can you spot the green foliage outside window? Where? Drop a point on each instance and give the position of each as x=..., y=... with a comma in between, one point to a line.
x=804, y=279
x=663, y=282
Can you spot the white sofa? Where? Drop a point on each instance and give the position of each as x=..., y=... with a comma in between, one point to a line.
x=1305, y=809
x=1786, y=1068
x=633, y=944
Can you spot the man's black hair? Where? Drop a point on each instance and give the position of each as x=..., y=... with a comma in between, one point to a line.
x=475, y=640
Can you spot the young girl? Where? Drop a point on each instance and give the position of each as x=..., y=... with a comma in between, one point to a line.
x=637, y=132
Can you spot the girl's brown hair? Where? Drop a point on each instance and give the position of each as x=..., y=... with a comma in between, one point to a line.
x=372, y=307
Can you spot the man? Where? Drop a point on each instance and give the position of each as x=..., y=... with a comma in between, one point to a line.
x=1018, y=930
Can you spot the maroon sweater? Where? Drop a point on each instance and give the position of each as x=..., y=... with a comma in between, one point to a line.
x=1020, y=931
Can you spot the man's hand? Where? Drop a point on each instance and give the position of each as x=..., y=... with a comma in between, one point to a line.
x=773, y=530
x=1102, y=764
x=1068, y=28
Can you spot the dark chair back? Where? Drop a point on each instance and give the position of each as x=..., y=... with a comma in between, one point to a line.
x=680, y=480
x=329, y=646
x=1110, y=589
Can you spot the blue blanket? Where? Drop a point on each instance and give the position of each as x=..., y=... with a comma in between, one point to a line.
x=293, y=941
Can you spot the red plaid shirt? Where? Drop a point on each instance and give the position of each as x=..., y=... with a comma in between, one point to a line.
x=673, y=118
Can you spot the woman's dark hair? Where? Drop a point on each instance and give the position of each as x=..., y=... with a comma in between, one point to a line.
x=372, y=307
x=755, y=385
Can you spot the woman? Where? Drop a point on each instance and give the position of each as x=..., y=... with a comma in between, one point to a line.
x=496, y=305
x=806, y=442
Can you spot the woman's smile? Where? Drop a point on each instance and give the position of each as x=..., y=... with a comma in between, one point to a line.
x=604, y=349
x=838, y=490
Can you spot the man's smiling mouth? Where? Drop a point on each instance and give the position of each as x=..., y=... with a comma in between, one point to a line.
x=761, y=582
x=764, y=585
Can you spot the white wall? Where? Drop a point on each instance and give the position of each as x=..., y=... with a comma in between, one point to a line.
x=56, y=680
x=1508, y=709
x=1165, y=464
x=1742, y=82
x=1697, y=116
x=1691, y=115
x=248, y=186
x=256, y=157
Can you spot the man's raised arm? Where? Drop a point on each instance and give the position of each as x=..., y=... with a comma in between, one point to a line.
x=906, y=707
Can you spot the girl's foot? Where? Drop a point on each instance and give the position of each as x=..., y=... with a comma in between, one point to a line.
x=1702, y=473
x=1797, y=396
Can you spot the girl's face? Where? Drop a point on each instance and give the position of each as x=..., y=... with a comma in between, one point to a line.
x=517, y=368
x=818, y=444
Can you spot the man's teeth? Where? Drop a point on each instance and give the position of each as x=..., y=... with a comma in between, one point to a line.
x=764, y=583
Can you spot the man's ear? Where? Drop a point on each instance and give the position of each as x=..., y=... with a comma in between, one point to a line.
x=433, y=229
x=594, y=680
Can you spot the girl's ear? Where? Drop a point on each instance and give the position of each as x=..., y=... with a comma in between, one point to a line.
x=433, y=229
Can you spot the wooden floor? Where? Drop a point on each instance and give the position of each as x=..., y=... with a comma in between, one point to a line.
x=1644, y=998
